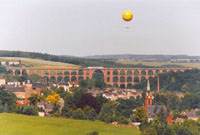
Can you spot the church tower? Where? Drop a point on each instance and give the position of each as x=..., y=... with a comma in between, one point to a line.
x=148, y=98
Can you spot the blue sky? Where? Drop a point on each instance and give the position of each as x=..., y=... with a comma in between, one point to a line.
x=94, y=27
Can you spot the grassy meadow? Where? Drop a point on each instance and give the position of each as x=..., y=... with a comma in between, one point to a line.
x=38, y=63
x=192, y=65
x=15, y=124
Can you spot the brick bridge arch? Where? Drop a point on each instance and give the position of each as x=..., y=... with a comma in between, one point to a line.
x=113, y=76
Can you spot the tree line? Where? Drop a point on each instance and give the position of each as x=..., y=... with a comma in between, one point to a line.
x=84, y=62
x=187, y=81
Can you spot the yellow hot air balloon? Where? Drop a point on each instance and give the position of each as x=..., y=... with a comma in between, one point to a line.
x=127, y=15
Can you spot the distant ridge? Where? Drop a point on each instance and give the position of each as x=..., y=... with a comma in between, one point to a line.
x=141, y=57
x=83, y=62
x=103, y=61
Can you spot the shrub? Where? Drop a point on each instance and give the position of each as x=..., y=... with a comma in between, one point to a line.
x=56, y=108
x=79, y=114
x=5, y=108
x=56, y=114
x=1, y=108
x=93, y=133
x=123, y=120
x=69, y=113
x=109, y=119
x=66, y=111
x=92, y=115
x=28, y=110
x=150, y=131
x=40, y=109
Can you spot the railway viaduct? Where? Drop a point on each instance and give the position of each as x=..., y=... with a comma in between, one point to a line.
x=118, y=77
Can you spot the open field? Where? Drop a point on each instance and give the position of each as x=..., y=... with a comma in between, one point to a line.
x=193, y=65
x=37, y=63
x=15, y=124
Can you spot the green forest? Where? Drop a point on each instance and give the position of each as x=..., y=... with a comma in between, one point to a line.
x=187, y=81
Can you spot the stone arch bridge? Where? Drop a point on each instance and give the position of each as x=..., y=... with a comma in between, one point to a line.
x=118, y=77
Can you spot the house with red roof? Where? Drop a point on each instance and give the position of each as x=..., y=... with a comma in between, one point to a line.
x=22, y=102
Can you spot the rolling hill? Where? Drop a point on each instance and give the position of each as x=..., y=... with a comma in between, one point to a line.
x=83, y=62
x=71, y=61
x=15, y=124
x=38, y=63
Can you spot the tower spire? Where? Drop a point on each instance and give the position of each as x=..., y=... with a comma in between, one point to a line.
x=148, y=85
x=148, y=98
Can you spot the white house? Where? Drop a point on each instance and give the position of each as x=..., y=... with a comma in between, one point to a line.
x=2, y=81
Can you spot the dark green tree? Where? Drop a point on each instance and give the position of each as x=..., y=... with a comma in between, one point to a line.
x=79, y=114
x=33, y=99
x=92, y=115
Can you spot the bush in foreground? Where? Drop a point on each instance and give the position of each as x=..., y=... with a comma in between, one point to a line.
x=93, y=133
x=28, y=110
x=79, y=114
x=122, y=120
